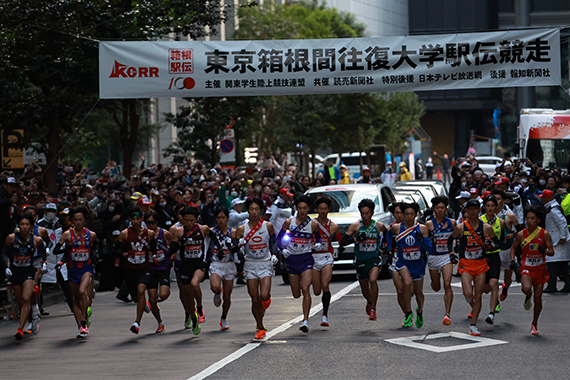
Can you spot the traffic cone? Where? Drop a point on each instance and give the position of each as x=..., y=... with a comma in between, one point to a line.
x=438, y=175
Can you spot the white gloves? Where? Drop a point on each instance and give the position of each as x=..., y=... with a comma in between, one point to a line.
x=228, y=241
x=8, y=273
x=274, y=260
x=318, y=247
x=242, y=242
x=43, y=269
x=286, y=253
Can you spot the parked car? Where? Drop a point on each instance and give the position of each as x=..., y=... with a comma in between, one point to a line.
x=411, y=195
x=344, y=212
x=488, y=163
x=350, y=160
x=427, y=190
x=437, y=185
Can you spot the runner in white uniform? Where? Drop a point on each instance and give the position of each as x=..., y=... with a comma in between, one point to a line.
x=322, y=273
x=257, y=236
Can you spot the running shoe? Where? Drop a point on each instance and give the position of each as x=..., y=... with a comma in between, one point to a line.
x=528, y=303
x=147, y=308
x=35, y=311
x=260, y=334
x=19, y=334
x=498, y=308
x=490, y=318
x=201, y=317
x=196, y=325
x=446, y=320
x=28, y=328
x=37, y=290
x=325, y=321
x=89, y=313
x=266, y=304
x=533, y=330
x=160, y=329
x=372, y=316
x=473, y=330
x=79, y=333
x=84, y=330
x=304, y=326
x=504, y=293
x=224, y=325
x=135, y=328
x=218, y=298
x=188, y=322
x=470, y=315
x=368, y=308
x=35, y=326
x=408, y=320
x=419, y=319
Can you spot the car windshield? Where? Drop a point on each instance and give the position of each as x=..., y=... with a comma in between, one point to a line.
x=346, y=200
x=426, y=191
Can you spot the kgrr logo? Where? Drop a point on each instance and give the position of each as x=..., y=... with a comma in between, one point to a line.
x=182, y=83
x=125, y=71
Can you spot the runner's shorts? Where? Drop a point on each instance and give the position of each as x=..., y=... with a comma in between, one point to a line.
x=256, y=270
x=417, y=268
x=226, y=270
x=322, y=260
x=473, y=267
x=158, y=278
x=297, y=264
x=505, y=259
x=494, y=263
x=75, y=274
x=21, y=275
x=539, y=274
x=187, y=268
x=363, y=268
x=436, y=262
x=134, y=277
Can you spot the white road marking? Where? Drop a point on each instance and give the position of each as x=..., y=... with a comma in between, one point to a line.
x=478, y=342
x=251, y=346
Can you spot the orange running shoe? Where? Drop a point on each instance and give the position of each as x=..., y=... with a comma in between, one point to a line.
x=534, y=330
x=265, y=304
x=260, y=334
x=201, y=317
x=37, y=290
x=446, y=320
x=470, y=316
x=504, y=293
x=19, y=334
x=368, y=308
x=160, y=329
x=372, y=315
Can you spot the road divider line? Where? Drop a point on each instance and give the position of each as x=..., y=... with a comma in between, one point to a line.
x=251, y=346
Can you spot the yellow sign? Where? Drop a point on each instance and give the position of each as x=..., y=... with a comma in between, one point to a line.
x=12, y=155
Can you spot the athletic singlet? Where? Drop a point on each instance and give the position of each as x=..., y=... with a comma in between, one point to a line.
x=257, y=248
x=409, y=247
x=469, y=248
x=509, y=234
x=137, y=248
x=36, y=232
x=368, y=249
x=531, y=256
x=326, y=237
x=192, y=244
x=496, y=224
x=162, y=252
x=22, y=255
x=441, y=233
x=300, y=239
x=79, y=254
x=223, y=239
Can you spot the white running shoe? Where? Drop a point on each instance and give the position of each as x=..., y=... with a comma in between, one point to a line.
x=80, y=334
x=304, y=326
x=35, y=311
x=35, y=326
x=224, y=325
x=490, y=318
x=218, y=299
x=473, y=330
x=325, y=321
x=28, y=327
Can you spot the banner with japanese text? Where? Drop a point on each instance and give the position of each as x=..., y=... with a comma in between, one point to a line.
x=150, y=69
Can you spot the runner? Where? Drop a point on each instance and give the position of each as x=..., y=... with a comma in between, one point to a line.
x=493, y=258
x=257, y=236
x=509, y=231
x=413, y=244
x=472, y=264
x=534, y=243
x=322, y=273
x=188, y=244
x=80, y=247
x=440, y=228
x=19, y=252
x=367, y=238
x=222, y=267
x=137, y=245
x=398, y=215
x=159, y=282
x=295, y=238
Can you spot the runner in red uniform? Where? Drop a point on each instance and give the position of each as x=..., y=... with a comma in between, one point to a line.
x=534, y=244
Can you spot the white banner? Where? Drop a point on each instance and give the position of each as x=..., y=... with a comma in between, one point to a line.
x=290, y=67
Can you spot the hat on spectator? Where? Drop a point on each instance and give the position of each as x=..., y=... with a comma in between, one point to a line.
x=486, y=193
x=286, y=192
x=473, y=203
x=502, y=180
x=389, y=163
x=366, y=168
x=136, y=196
x=508, y=163
x=473, y=190
x=546, y=194
x=154, y=192
x=463, y=194
x=116, y=233
x=51, y=206
x=465, y=163
x=342, y=166
x=144, y=201
x=65, y=211
x=236, y=202
x=402, y=164
x=12, y=181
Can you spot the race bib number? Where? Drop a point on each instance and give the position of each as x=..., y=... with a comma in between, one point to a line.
x=441, y=242
x=79, y=254
x=257, y=251
x=411, y=254
x=533, y=261
x=138, y=257
x=193, y=251
x=368, y=245
x=21, y=261
x=473, y=254
x=160, y=255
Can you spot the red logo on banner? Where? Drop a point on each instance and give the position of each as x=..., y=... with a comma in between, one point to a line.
x=182, y=83
x=125, y=71
x=180, y=61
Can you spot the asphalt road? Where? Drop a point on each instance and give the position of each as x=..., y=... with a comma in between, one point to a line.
x=352, y=348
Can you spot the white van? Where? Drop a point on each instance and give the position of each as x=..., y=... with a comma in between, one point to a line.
x=350, y=160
